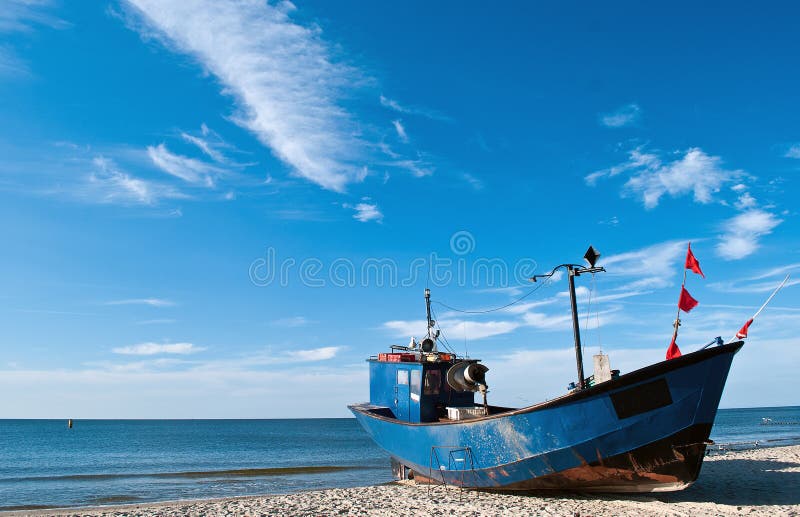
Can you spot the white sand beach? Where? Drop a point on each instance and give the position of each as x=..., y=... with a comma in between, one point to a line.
x=763, y=481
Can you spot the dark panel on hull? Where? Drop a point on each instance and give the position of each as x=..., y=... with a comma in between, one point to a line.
x=642, y=398
x=671, y=463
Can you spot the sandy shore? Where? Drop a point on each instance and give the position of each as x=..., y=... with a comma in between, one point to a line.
x=758, y=482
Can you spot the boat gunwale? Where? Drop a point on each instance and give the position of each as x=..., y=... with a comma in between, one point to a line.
x=620, y=382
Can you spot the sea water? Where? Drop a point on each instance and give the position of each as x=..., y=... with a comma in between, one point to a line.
x=45, y=464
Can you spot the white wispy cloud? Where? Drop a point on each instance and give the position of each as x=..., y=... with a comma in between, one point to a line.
x=109, y=184
x=625, y=116
x=301, y=214
x=418, y=168
x=413, y=110
x=521, y=316
x=366, y=212
x=776, y=271
x=24, y=15
x=653, y=266
x=188, y=169
x=793, y=151
x=157, y=321
x=272, y=357
x=472, y=181
x=171, y=387
x=401, y=130
x=764, y=286
x=292, y=322
x=152, y=302
x=563, y=321
x=651, y=177
x=745, y=201
x=219, y=391
x=206, y=144
x=473, y=329
x=11, y=65
x=611, y=221
x=158, y=348
x=281, y=74
x=314, y=354
x=741, y=234
x=637, y=159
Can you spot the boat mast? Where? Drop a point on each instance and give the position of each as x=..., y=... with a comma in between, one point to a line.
x=576, y=329
x=574, y=270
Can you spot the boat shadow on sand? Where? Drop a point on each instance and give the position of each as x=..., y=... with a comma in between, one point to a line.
x=751, y=482
x=733, y=481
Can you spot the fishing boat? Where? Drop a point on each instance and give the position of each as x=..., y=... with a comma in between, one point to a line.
x=643, y=431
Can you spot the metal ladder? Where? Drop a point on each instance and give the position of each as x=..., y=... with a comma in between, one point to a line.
x=458, y=458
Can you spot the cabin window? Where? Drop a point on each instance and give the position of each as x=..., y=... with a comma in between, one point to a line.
x=433, y=379
x=415, y=381
x=402, y=377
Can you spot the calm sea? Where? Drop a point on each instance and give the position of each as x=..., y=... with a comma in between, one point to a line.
x=44, y=464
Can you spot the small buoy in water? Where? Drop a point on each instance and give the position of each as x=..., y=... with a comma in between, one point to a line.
x=69, y=423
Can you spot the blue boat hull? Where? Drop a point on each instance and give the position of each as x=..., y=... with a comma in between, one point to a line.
x=644, y=431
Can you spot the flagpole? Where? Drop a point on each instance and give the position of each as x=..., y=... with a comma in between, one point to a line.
x=764, y=305
x=771, y=297
x=678, y=316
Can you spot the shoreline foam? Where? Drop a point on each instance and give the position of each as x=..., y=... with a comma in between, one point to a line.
x=757, y=481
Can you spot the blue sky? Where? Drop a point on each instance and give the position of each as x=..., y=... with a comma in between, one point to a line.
x=221, y=209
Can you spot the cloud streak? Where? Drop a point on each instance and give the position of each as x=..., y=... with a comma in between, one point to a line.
x=401, y=130
x=627, y=115
x=280, y=73
x=109, y=184
x=158, y=348
x=152, y=302
x=206, y=145
x=188, y=169
x=23, y=15
x=413, y=110
x=11, y=65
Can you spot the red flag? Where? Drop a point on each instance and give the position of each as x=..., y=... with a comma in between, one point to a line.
x=742, y=334
x=692, y=263
x=673, y=351
x=686, y=303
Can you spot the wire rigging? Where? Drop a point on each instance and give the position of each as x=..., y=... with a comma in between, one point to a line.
x=592, y=294
x=441, y=334
x=486, y=311
x=588, y=315
x=597, y=318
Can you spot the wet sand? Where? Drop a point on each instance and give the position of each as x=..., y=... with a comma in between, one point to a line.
x=763, y=481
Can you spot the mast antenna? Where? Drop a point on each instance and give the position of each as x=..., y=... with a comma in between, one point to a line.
x=429, y=343
x=428, y=310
